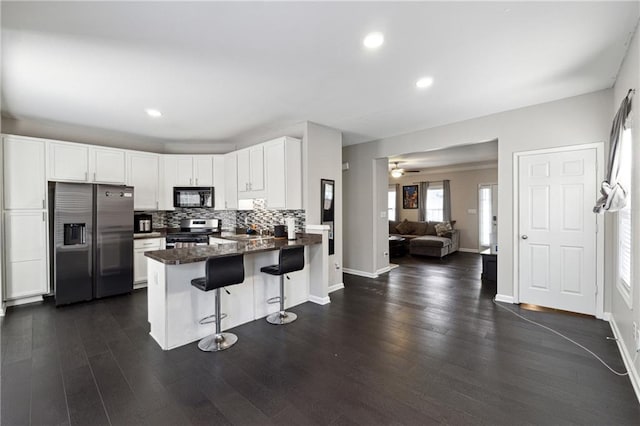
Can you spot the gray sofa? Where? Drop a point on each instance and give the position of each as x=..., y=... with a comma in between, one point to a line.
x=422, y=238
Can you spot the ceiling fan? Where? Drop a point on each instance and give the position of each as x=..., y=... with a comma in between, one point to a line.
x=397, y=172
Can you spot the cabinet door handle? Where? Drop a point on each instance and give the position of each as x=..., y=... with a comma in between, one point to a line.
x=86, y=176
x=44, y=216
x=196, y=181
x=94, y=176
x=43, y=206
x=157, y=205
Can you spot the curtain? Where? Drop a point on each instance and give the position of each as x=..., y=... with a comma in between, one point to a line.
x=446, y=201
x=398, y=201
x=613, y=195
x=422, y=201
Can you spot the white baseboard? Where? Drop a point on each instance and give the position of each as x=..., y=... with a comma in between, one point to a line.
x=393, y=266
x=466, y=250
x=504, y=298
x=23, y=301
x=319, y=300
x=1, y=309
x=139, y=285
x=335, y=287
x=383, y=270
x=359, y=273
x=606, y=317
x=626, y=357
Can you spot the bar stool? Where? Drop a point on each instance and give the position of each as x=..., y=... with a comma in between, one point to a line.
x=290, y=259
x=221, y=271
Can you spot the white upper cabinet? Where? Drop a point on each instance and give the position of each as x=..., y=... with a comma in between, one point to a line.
x=230, y=184
x=25, y=183
x=74, y=162
x=251, y=172
x=283, y=163
x=68, y=162
x=184, y=170
x=219, y=183
x=108, y=165
x=142, y=174
x=203, y=170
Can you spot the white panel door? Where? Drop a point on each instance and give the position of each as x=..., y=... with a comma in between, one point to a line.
x=24, y=174
x=68, y=162
x=26, y=254
x=203, y=170
x=557, y=251
x=108, y=165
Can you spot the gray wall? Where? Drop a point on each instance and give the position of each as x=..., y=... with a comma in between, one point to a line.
x=622, y=314
x=464, y=196
x=577, y=120
x=381, y=181
x=322, y=159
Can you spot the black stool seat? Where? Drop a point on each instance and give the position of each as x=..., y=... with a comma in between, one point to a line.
x=290, y=259
x=220, y=271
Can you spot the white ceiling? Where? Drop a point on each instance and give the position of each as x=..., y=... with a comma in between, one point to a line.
x=233, y=72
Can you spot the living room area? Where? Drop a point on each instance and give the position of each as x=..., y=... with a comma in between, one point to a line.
x=443, y=202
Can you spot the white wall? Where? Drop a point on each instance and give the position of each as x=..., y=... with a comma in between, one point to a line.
x=624, y=315
x=464, y=196
x=577, y=120
x=322, y=159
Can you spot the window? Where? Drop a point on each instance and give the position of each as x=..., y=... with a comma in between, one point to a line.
x=434, y=200
x=485, y=213
x=392, y=203
x=624, y=215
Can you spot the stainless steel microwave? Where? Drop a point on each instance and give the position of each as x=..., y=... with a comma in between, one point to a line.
x=193, y=196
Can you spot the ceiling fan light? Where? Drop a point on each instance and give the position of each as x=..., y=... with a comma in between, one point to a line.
x=396, y=173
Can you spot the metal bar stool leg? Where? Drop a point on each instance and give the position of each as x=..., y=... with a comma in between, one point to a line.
x=219, y=341
x=281, y=317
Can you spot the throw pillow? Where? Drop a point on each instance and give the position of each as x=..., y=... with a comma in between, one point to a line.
x=442, y=228
x=404, y=227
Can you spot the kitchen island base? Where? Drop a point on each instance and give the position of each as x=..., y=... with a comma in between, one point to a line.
x=175, y=307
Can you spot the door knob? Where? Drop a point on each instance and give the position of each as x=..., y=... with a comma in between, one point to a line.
x=524, y=237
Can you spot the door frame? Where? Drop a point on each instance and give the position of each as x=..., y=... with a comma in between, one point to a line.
x=599, y=147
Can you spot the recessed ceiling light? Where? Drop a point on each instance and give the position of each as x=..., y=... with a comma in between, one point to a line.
x=373, y=40
x=153, y=112
x=424, y=82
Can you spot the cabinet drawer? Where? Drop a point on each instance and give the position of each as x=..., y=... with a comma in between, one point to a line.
x=148, y=244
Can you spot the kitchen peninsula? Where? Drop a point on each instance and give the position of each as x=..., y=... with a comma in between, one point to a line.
x=176, y=307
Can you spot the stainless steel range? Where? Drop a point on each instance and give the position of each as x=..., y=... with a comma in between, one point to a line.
x=193, y=232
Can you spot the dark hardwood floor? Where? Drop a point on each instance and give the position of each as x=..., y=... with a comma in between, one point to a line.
x=423, y=344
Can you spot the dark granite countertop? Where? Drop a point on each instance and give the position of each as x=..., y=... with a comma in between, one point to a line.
x=239, y=244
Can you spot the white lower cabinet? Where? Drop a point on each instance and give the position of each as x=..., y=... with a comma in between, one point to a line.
x=25, y=254
x=141, y=246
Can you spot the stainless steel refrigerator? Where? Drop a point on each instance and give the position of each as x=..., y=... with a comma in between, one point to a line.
x=91, y=240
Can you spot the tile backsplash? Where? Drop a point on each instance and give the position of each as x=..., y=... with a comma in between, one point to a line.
x=263, y=219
